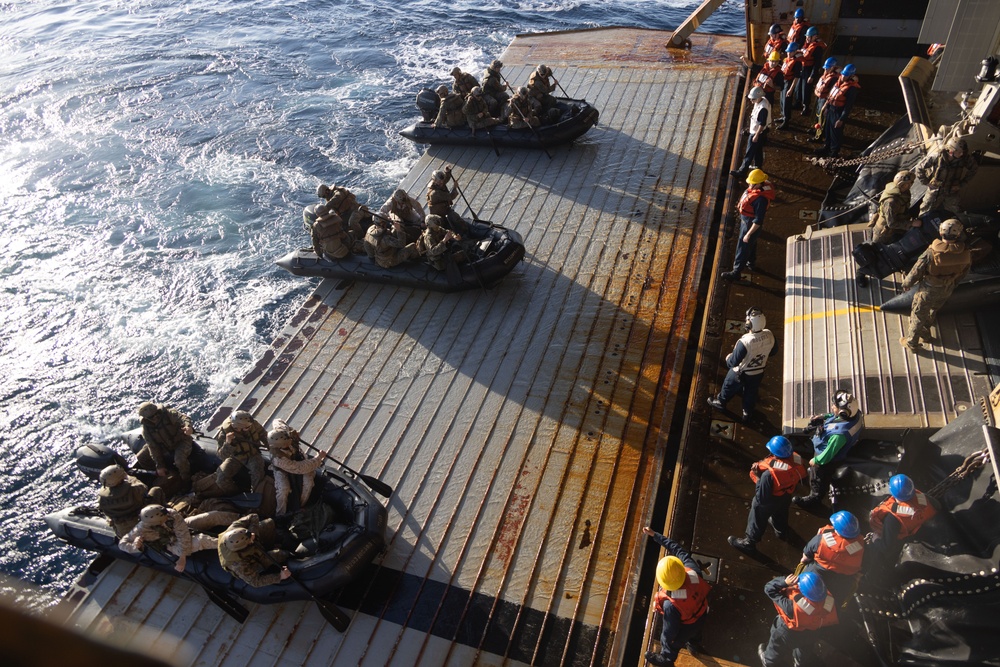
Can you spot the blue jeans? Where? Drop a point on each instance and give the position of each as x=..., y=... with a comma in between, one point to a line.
x=746, y=252
x=749, y=386
x=834, y=135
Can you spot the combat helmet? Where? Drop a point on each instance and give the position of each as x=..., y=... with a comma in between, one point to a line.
x=113, y=475
x=147, y=409
x=845, y=403
x=496, y=65
x=903, y=176
x=951, y=230
x=153, y=515
x=237, y=539
x=456, y=71
x=241, y=419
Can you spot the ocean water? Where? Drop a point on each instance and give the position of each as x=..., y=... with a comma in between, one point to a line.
x=154, y=160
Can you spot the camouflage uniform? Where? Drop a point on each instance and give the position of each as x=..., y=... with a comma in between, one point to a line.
x=936, y=273
x=477, y=113
x=121, y=503
x=340, y=200
x=242, y=451
x=251, y=563
x=289, y=462
x=521, y=113
x=944, y=175
x=463, y=83
x=409, y=212
x=890, y=220
x=439, y=202
x=450, y=112
x=389, y=248
x=173, y=536
x=494, y=91
x=541, y=89
x=330, y=239
x=166, y=441
x=437, y=245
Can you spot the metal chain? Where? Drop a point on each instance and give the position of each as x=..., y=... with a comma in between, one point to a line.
x=972, y=463
x=892, y=149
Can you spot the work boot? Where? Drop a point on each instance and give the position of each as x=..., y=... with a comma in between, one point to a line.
x=805, y=501
x=742, y=544
x=822, y=152
x=912, y=347
x=737, y=173
x=656, y=659
x=746, y=417
x=716, y=403
x=731, y=276
x=760, y=654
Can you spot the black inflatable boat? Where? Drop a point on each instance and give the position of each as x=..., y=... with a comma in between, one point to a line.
x=346, y=546
x=494, y=253
x=576, y=117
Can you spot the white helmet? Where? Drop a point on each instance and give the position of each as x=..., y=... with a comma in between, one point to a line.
x=113, y=475
x=845, y=403
x=153, y=515
x=755, y=319
x=438, y=175
x=755, y=93
x=237, y=539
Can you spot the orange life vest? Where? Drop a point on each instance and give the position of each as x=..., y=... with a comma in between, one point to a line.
x=778, y=44
x=839, y=554
x=690, y=600
x=809, y=52
x=745, y=205
x=767, y=76
x=788, y=67
x=825, y=83
x=838, y=95
x=911, y=514
x=809, y=615
x=786, y=473
x=797, y=33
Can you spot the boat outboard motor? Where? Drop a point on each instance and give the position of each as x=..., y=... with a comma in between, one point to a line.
x=92, y=459
x=989, y=71
x=428, y=103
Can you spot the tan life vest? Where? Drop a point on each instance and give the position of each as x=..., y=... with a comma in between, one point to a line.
x=949, y=259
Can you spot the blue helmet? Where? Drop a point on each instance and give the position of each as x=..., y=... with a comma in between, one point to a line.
x=849, y=70
x=800, y=13
x=830, y=62
x=779, y=446
x=793, y=47
x=901, y=487
x=775, y=29
x=811, y=585
x=812, y=31
x=846, y=524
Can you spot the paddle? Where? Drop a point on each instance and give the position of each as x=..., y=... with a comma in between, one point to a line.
x=533, y=130
x=221, y=598
x=474, y=216
x=331, y=612
x=377, y=485
x=565, y=94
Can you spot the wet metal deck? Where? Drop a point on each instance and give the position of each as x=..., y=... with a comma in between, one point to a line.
x=836, y=337
x=522, y=428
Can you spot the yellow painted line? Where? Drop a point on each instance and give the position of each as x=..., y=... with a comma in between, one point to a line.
x=835, y=313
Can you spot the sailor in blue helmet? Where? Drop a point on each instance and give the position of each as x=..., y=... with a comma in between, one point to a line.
x=897, y=518
x=804, y=606
x=746, y=364
x=836, y=552
x=791, y=72
x=812, y=56
x=838, y=107
x=775, y=478
x=797, y=31
x=776, y=42
x=833, y=436
x=825, y=83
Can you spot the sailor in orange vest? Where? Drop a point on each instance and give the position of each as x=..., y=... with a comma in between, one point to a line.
x=899, y=516
x=791, y=72
x=838, y=107
x=822, y=91
x=752, y=206
x=812, y=55
x=776, y=42
x=682, y=600
x=776, y=478
x=800, y=26
x=836, y=552
x=769, y=78
x=804, y=606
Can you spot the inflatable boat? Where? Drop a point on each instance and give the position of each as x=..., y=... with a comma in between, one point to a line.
x=342, y=550
x=576, y=117
x=492, y=254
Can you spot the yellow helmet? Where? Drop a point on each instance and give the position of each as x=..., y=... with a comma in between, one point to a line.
x=756, y=177
x=670, y=573
x=774, y=56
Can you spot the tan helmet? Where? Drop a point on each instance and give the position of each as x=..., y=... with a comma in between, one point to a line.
x=522, y=91
x=241, y=419
x=670, y=573
x=433, y=221
x=323, y=191
x=543, y=70
x=400, y=196
x=237, y=539
x=153, y=515
x=476, y=90
x=279, y=438
x=147, y=409
x=113, y=475
x=438, y=175
x=456, y=71
x=903, y=176
x=956, y=144
x=756, y=177
x=496, y=65
x=442, y=90
x=755, y=93
x=951, y=229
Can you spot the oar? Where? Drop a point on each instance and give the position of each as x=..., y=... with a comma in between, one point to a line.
x=561, y=88
x=474, y=216
x=377, y=485
x=533, y=130
x=489, y=133
x=224, y=601
x=331, y=612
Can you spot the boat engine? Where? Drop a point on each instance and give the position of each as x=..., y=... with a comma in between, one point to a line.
x=92, y=459
x=428, y=103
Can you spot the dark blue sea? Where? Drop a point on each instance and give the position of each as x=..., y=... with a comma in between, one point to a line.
x=154, y=160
